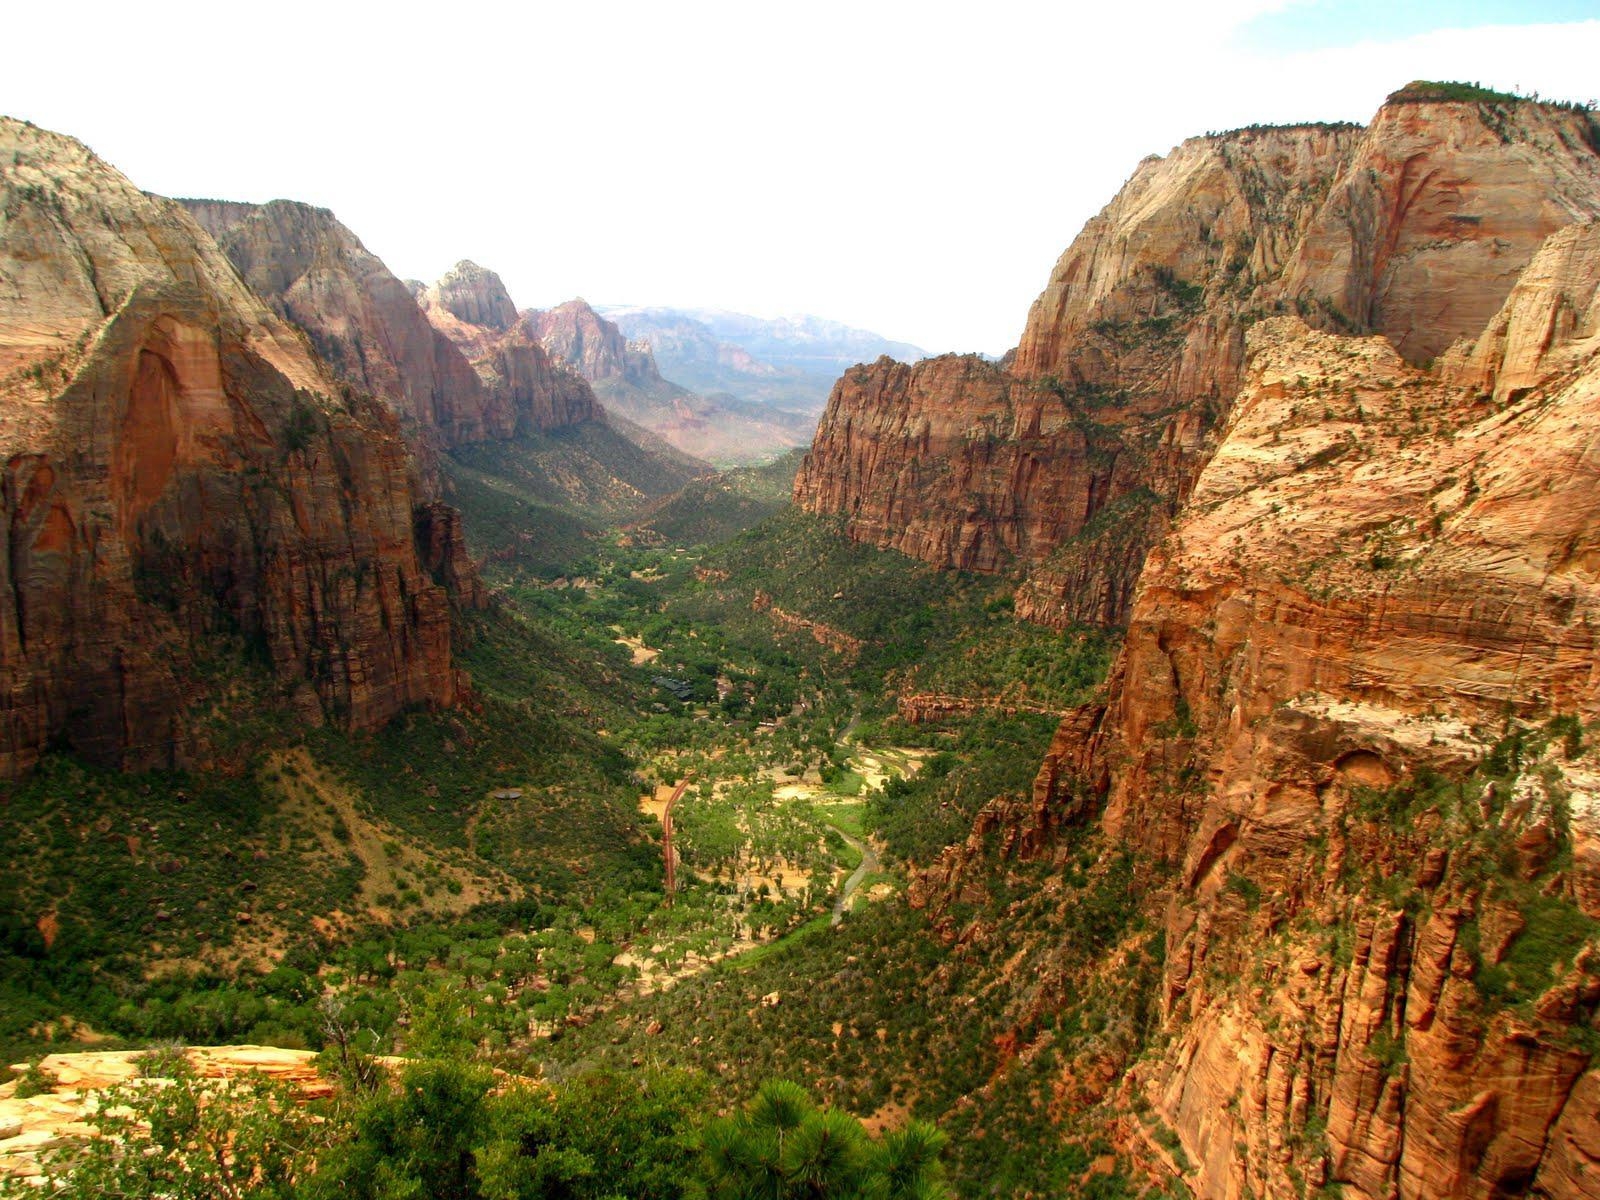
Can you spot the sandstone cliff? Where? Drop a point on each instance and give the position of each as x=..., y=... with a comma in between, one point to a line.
x=575, y=334
x=179, y=470
x=1416, y=227
x=1348, y=715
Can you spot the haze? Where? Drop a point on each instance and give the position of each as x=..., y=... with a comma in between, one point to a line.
x=912, y=169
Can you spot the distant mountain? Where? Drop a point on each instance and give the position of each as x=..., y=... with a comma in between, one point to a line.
x=722, y=426
x=790, y=362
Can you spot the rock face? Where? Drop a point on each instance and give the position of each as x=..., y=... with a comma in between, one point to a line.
x=956, y=462
x=1383, y=960
x=475, y=295
x=369, y=326
x=1439, y=210
x=179, y=468
x=1416, y=227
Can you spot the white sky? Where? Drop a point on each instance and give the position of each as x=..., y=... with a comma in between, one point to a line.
x=914, y=169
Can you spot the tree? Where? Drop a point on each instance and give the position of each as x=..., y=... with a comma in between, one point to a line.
x=598, y=1135
x=781, y=1147
x=415, y=1142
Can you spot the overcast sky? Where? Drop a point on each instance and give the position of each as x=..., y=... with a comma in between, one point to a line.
x=914, y=169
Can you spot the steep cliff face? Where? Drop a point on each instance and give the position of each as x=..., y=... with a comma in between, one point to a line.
x=1332, y=718
x=179, y=467
x=1416, y=227
x=1438, y=211
x=959, y=463
x=475, y=295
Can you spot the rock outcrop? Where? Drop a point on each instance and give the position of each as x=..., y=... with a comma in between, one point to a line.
x=958, y=463
x=178, y=471
x=574, y=334
x=1329, y=718
x=1415, y=227
x=475, y=295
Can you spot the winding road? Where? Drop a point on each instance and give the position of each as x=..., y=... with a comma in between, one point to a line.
x=667, y=854
x=869, y=863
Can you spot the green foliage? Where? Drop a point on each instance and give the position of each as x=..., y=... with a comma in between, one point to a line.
x=164, y=1060
x=417, y=1140
x=597, y=1135
x=35, y=1081
x=1246, y=889
x=781, y=1146
x=709, y=511
x=1555, y=930
x=1388, y=1050
x=1424, y=91
x=991, y=755
x=186, y=1139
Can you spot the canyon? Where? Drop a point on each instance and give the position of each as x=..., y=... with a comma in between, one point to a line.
x=1299, y=435
x=719, y=427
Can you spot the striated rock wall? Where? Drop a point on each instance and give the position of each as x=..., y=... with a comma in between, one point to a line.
x=1383, y=960
x=1438, y=211
x=176, y=466
x=1415, y=227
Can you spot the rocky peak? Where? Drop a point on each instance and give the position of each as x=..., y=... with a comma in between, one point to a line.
x=532, y=390
x=1441, y=205
x=361, y=319
x=475, y=295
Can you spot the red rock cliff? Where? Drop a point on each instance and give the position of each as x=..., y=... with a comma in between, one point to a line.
x=1417, y=227
x=574, y=334
x=1377, y=978
x=471, y=308
x=176, y=466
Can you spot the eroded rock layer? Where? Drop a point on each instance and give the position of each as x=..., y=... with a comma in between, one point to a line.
x=179, y=473
x=470, y=309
